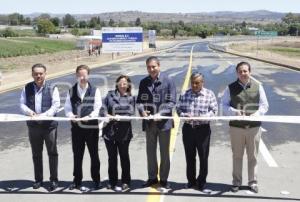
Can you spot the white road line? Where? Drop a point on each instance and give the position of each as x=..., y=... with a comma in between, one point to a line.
x=230, y=63
x=60, y=109
x=220, y=94
x=263, y=130
x=262, y=147
x=220, y=56
x=176, y=73
x=100, y=124
x=218, y=124
x=266, y=154
x=130, y=73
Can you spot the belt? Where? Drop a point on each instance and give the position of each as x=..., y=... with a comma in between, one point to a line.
x=245, y=126
x=197, y=125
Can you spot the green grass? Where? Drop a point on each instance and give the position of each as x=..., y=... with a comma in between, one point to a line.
x=26, y=33
x=13, y=47
x=289, y=51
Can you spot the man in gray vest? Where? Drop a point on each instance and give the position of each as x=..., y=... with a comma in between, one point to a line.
x=40, y=98
x=244, y=97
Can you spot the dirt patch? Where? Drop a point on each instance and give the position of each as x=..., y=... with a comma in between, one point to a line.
x=284, y=50
x=288, y=44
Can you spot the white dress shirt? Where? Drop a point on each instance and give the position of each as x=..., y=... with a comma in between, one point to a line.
x=81, y=92
x=38, y=102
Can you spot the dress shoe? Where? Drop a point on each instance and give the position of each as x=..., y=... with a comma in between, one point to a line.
x=53, y=185
x=165, y=184
x=83, y=188
x=74, y=186
x=150, y=182
x=201, y=186
x=117, y=189
x=235, y=189
x=37, y=185
x=189, y=185
x=110, y=186
x=125, y=186
x=98, y=185
x=254, y=188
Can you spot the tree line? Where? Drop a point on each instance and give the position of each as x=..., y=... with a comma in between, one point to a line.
x=45, y=24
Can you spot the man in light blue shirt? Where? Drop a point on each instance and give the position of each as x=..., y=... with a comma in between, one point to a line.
x=40, y=98
x=244, y=97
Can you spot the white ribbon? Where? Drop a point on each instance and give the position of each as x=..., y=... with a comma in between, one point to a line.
x=267, y=118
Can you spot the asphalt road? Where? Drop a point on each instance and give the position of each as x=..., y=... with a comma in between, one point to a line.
x=281, y=140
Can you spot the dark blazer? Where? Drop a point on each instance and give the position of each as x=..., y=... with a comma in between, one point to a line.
x=157, y=97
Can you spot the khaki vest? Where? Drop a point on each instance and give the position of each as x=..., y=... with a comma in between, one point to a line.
x=245, y=99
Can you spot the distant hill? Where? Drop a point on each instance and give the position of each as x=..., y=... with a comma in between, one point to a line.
x=259, y=16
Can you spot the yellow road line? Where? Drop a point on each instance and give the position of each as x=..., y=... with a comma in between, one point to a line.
x=174, y=131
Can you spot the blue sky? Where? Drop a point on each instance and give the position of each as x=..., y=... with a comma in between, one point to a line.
x=177, y=6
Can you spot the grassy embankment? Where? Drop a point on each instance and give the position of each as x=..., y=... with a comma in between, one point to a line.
x=285, y=48
x=288, y=49
x=13, y=47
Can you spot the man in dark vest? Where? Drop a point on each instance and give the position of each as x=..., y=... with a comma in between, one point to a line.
x=40, y=98
x=244, y=97
x=84, y=101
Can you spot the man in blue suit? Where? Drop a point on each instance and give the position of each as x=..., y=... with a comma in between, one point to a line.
x=157, y=96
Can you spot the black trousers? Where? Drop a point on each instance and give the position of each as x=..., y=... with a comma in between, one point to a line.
x=113, y=148
x=37, y=136
x=196, y=139
x=90, y=137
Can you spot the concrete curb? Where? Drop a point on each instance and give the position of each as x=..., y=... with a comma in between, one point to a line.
x=20, y=84
x=224, y=50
